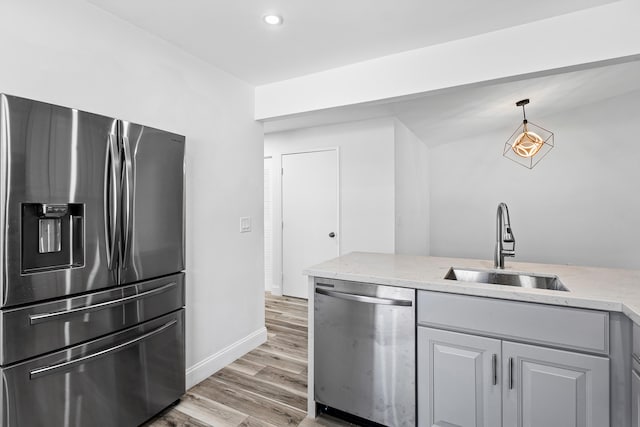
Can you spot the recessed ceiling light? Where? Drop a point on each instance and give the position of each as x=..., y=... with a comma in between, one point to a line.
x=272, y=19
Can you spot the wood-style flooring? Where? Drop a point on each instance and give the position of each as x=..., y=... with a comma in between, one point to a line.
x=265, y=388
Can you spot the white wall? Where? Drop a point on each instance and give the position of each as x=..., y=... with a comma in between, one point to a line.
x=411, y=193
x=579, y=205
x=366, y=151
x=575, y=39
x=71, y=53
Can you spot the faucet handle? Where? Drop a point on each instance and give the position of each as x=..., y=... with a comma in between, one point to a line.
x=507, y=236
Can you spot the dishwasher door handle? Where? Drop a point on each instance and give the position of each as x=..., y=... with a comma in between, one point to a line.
x=364, y=298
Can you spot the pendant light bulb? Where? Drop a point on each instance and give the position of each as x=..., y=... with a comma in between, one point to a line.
x=527, y=144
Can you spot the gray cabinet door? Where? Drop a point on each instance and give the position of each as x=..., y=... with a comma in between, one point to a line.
x=543, y=387
x=458, y=379
x=635, y=399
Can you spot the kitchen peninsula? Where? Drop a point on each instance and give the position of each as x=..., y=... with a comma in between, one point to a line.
x=512, y=350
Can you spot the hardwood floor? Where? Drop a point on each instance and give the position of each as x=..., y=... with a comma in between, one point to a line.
x=265, y=388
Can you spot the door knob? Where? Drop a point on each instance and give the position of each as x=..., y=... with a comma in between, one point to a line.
x=332, y=234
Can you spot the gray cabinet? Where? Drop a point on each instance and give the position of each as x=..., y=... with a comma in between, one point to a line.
x=471, y=381
x=635, y=399
x=635, y=377
x=545, y=387
x=458, y=379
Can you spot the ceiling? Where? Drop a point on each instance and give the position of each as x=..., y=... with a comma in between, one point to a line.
x=458, y=113
x=321, y=34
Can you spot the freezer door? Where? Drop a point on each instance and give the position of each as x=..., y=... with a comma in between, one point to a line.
x=54, y=158
x=37, y=329
x=119, y=380
x=152, y=203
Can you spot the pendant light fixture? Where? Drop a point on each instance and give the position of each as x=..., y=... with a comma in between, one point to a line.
x=529, y=143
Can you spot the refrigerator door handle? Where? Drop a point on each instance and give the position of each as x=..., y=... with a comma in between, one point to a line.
x=47, y=370
x=128, y=189
x=111, y=200
x=34, y=319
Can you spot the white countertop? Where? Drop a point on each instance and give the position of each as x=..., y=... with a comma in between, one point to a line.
x=589, y=287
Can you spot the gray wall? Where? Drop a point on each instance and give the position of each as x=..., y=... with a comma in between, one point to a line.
x=580, y=205
x=411, y=192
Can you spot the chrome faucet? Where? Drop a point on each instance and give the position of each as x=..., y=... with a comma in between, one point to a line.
x=505, y=242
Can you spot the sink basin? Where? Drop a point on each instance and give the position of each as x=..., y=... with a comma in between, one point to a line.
x=522, y=280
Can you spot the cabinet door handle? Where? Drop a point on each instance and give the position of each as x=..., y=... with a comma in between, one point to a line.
x=510, y=373
x=494, y=367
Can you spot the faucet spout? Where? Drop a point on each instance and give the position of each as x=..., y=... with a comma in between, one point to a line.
x=505, y=241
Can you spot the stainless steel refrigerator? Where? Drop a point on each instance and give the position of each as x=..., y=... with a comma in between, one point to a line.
x=92, y=259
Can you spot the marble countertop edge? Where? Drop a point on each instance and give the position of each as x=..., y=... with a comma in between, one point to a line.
x=620, y=293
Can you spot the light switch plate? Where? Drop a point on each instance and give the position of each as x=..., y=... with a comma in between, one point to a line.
x=245, y=224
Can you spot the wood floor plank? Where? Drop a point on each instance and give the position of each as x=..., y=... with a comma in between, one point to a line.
x=259, y=407
x=296, y=383
x=175, y=418
x=268, y=389
x=293, y=341
x=291, y=320
x=246, y=366
x=274, y=314
x=254, y=422
x=289, y=332
x=286, y=315
x=279, y=361
x=277, y=349
x=285, y=307
x=286, y=324
x=209, y=411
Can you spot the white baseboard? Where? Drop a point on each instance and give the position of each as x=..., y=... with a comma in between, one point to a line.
x=212, y=364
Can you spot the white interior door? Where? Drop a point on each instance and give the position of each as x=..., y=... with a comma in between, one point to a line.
x=309, y=215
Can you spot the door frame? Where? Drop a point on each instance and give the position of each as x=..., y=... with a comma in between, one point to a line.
x=271, y=165
x=338, y=204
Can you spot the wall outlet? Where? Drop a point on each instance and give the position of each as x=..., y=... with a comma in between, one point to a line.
x=245, y=224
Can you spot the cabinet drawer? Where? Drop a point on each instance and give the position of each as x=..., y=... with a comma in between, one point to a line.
x=566, y=327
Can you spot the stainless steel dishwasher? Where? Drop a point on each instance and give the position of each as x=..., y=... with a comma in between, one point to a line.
x=364, y=350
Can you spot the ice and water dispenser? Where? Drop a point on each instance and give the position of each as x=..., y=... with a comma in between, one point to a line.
x=52, y=236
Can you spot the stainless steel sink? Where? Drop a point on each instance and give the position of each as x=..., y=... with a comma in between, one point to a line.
x=522, y=280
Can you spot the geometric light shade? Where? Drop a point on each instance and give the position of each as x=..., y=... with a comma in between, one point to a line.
x=529, y=143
